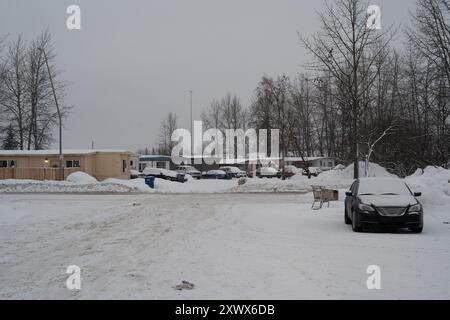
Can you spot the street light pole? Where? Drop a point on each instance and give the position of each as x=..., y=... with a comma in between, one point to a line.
x=447, y=122
x=61, y=157
x=192, y=133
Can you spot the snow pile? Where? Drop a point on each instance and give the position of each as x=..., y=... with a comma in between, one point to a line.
x=80, y=186
x=335, y=179
x=434, y=183
x=375, y=171
x=135, y=185
x=297, y=183
x=81, y=178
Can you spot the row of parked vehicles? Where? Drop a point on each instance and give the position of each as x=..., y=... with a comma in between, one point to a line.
x=181, y=173
x=224, y=173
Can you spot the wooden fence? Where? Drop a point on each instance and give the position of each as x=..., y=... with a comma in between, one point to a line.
x=35, y=173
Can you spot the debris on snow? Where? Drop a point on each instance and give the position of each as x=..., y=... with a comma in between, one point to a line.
x=185, y=285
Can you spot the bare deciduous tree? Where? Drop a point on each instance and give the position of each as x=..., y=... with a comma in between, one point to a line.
x=14, y=91
x=431, y=32
x=348, y=48
x=26, y=97
x=168, y=126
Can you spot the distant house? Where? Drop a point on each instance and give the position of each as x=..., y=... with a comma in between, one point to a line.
x=324, y=163
x=154, y=161
x=44, y=164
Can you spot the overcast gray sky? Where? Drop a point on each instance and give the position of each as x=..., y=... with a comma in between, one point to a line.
x=134, y=61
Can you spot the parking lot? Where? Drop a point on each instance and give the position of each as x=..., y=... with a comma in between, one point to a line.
x=233, y=246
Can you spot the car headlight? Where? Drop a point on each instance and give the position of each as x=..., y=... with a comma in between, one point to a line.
x=365, y=207
x=415, y=208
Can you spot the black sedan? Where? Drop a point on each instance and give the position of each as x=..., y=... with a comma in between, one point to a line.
x=383, y=202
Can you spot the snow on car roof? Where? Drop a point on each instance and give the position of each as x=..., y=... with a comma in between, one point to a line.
x=216, y=172
x=231, y=168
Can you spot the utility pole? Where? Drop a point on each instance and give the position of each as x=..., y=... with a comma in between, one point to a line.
x=61, y=156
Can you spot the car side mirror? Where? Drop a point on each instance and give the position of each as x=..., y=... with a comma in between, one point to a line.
x=349, y=194
x=417, y=194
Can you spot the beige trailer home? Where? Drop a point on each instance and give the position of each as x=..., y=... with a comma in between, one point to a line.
x=44, y=164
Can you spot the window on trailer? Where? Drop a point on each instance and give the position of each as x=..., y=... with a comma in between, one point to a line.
x=142, y=166
x=160, y=165
x=72, y=163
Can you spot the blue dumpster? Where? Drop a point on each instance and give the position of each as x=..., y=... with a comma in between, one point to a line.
x=180, y=177
x=150, y=181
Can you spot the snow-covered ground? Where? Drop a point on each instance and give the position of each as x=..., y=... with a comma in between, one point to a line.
x=259, y=240
x=230, y=246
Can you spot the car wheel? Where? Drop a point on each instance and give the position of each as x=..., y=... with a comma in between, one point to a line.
x=355, y=227
x=416, y=229
x=346, y=218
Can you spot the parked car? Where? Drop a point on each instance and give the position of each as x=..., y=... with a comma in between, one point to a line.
x=234, y=171
x=290, y=171
x=292, y=168
x=164, y=174
x=134, y=174
x=383, y=201
x=194, y=173
x=314, y=171
x=267, y=172
x=217, y=174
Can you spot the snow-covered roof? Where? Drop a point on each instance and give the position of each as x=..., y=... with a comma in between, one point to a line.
x=56, y=152
x=300, y=159
x=153, y=155
x=154, y=158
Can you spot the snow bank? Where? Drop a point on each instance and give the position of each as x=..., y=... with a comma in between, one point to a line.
x=77, y=185
x=375, y=171
x=434, y=183
x=135, y=185
x=81, y=178
x=80, y=182
x=335, y=179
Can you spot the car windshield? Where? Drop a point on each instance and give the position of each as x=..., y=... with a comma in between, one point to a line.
x=383, y=187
